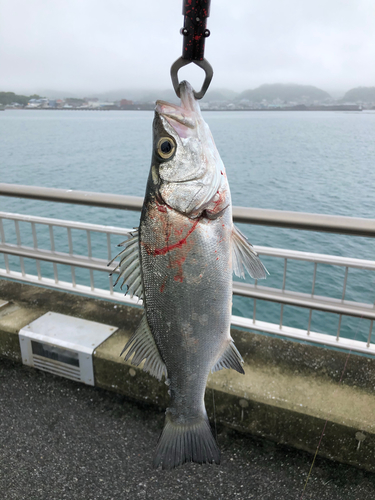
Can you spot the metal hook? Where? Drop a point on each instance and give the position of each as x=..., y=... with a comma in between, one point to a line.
x=204, y=64
x=194, y=33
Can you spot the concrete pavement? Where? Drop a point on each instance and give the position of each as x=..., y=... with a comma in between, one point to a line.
x=61, y=439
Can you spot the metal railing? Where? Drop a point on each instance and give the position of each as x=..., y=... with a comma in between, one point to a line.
x=43, y=250
x=264, y=217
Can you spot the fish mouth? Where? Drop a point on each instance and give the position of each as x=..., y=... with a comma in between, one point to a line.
x=182, y=118
x=174, y=113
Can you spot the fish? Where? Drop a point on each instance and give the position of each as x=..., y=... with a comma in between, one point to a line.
x=180, y=262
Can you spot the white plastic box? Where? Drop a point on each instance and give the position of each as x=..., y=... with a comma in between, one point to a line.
x=63, y=345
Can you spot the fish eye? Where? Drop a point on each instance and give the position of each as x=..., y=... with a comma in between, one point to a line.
x=166, y=147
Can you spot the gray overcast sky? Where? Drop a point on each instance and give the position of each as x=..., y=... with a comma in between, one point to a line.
x=102, y=45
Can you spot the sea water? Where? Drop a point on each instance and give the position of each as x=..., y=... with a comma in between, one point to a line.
x=316, y=162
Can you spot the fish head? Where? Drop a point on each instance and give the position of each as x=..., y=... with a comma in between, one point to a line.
x=186, y=164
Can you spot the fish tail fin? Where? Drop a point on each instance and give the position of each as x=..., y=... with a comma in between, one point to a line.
x=186, y=442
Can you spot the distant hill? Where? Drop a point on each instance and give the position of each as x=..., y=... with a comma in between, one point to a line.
x=7, y=98
x=360, y=94
x=110, y=95
x=168, y=95
x=163, y=95
x=300, y=94
x=219, y=95
x=59, y=94
x=289, y=92
x=140, y=95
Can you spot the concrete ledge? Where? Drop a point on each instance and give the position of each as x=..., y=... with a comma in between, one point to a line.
x=288, y=392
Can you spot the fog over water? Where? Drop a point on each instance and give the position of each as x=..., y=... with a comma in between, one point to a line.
x=89, y=46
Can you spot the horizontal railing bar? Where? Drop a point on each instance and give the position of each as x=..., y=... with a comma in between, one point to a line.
x=354, y=226
x=319, y=258
x=65, y=286
x=64, y=223
x=270, y=294
x=57, y=257
x=299, y=299
x=265, y=217
x=295, y=333
x=104, y=200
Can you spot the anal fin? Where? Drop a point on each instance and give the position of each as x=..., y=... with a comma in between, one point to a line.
x=143, y=346
x=231, y=358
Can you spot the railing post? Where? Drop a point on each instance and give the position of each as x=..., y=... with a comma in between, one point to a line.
x=52, y=241
x=254, y=310
x=35, y=241
x=2, y=238
x=309, y=325
x=370, y=334
x=345, y=281
x=338, y=329
x=19, y=243
x=314, y=279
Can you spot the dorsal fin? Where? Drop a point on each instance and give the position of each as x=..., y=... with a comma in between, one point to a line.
x=231, y=358
x=142, y=345
x=245, y=257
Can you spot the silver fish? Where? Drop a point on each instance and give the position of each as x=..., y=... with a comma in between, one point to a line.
x=180, y=262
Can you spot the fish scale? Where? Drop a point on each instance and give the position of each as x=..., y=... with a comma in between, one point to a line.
x=195, y=305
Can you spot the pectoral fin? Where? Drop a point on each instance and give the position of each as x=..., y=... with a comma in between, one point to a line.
x=245, y=257
x=130, y=265
x=231, y=358
x=142, y=345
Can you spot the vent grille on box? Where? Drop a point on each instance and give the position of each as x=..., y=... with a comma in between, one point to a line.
x=63, y=345
x=57, y=368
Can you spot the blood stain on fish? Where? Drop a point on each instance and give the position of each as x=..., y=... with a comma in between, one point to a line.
x=163, y=285
x=179, y=244
x=178, y=263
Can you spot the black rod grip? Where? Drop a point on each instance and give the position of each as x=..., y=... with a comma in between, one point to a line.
x=195, y=30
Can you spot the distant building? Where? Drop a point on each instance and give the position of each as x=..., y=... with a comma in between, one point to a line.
x=204, y=105
x=74, y=102
x=125, y=102
x=37, y=103
x=93, y=104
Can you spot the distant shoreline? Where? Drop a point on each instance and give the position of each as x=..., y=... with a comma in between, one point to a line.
x=152, y=108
